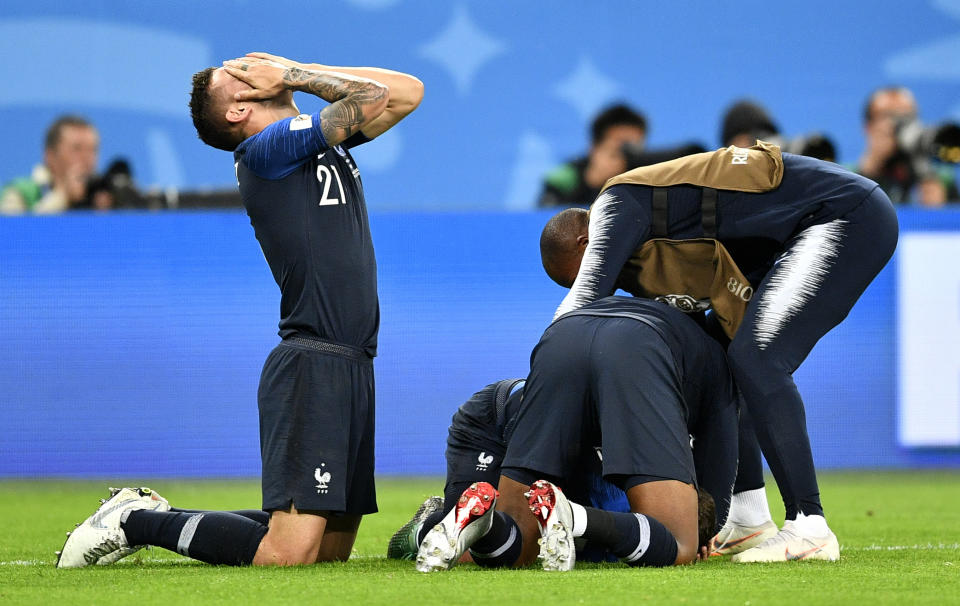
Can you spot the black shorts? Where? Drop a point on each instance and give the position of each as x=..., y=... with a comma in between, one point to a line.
x=317, y=428
x=607, y=380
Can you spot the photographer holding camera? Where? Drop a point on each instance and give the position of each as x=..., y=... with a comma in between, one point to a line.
x=618, y=137
x=577, y=182
x=901, y=152
x=67, y=178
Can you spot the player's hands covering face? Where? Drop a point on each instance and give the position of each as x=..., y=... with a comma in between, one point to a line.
x=264, y=76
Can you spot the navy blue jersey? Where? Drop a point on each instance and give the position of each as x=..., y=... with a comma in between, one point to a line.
x=754, y=227
x=305, y=202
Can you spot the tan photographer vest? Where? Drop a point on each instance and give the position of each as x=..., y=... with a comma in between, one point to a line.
x=698, y=274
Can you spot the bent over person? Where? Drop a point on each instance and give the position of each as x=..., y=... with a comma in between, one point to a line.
x=302, y=191
x=638, y=379
x=800, y=240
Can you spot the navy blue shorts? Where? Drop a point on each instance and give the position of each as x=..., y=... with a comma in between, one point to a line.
x=317, y=428
x=602, y=379
x=469, y=461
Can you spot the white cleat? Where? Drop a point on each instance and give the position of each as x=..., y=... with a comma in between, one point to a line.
x=147, y=494
x=734, y=538
x=469, y=520
x=100, y=536
x=788, y=545
x=555, y=516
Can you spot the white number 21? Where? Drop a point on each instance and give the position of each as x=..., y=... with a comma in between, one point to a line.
x=324, y=177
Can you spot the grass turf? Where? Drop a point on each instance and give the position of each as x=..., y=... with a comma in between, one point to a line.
x=899, y=534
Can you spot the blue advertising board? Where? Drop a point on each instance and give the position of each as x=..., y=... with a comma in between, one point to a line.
x=132, y=342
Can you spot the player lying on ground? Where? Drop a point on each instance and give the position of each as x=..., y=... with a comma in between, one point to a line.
x=810, y=244
x=476, y=442
x=638, y=377
x=304, y=197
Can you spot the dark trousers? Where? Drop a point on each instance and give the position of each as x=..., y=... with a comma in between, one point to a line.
x=815, y=282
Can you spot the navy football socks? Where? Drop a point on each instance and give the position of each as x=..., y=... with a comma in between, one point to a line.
x=501, y=545
x=637, y=539
x=214, y=537
x=257, y=515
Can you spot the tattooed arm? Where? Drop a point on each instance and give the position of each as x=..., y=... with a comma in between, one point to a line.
x=354, y=101
x=406, y=91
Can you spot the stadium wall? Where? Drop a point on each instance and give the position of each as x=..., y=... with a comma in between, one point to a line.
x=132, y=343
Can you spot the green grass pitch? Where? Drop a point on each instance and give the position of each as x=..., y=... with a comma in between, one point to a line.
x=899, y=533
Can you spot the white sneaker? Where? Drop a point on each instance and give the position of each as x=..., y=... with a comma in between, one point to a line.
x=555, y=516
x=100, y=534
x=147, y=494
x=788, y=545
x=734, y=538
x=469, y=520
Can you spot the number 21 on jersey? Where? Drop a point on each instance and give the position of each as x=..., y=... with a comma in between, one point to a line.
x=325, y=175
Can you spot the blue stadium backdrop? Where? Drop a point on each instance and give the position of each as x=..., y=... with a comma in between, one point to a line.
x=510, y=86
x=132, y=342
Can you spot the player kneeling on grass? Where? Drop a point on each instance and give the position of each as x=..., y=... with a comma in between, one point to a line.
x=303, y=193
x=640, y=378
x=476, y=442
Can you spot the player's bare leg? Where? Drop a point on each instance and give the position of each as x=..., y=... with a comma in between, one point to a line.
x=338, y=538
x=293, y=538
x=673, y=504
x=513, y=502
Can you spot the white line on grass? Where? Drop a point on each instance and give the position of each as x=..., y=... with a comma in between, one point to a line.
x=367, y=556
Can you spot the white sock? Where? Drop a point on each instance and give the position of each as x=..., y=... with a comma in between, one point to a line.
x=811, y=526
x=579, y=519
x=749, y=508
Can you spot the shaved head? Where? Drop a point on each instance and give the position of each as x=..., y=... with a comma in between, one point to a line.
x=562, y=243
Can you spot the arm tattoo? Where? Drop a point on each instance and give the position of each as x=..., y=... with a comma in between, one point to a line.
x=348, y=98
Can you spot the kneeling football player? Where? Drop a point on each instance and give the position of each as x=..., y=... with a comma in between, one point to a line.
x=639, y=378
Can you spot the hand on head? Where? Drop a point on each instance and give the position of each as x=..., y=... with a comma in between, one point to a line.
x=264, y=76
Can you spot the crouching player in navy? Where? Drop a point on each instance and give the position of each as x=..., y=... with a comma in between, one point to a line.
x=640, y=379
x=808, y=237
x=476, y=442
x=302, y=191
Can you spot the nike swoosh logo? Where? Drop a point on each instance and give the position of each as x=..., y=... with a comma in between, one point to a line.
x=97, y=521
x=734, y=543
x=790, y=557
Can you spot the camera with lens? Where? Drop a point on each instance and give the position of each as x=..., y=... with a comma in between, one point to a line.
x=939, y=142
x=117, y=183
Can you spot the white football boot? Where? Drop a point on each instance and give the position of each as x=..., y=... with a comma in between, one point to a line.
x=555, y=516
x=145, y=493
x=734, y=538
x=100, y=535
x=792, y=544
x=469, y=520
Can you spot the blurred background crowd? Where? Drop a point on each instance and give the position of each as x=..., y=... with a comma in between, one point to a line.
x=915, y=163
x=510, y=121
